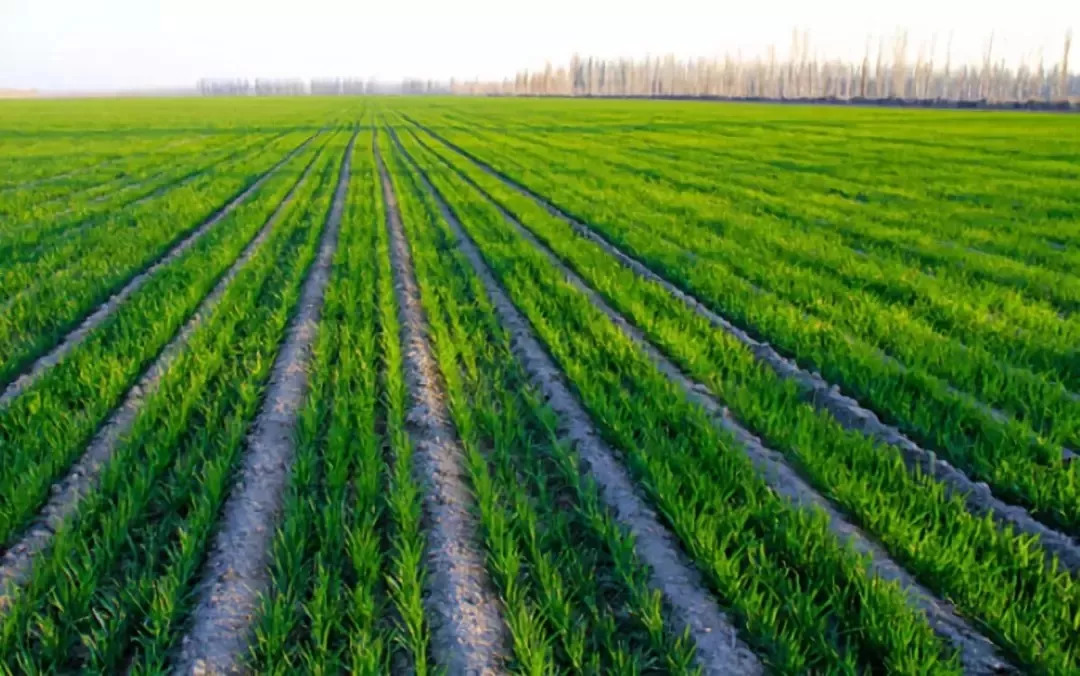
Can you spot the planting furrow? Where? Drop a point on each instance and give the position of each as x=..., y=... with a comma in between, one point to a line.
x=824, y=396
x=978, y=655
x=236, y=573
x=847, y=410
x=468, y=632
x=690, y=606
x=94, y=319
x=67, y=494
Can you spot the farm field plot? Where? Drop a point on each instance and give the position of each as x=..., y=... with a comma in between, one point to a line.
x=434, y=385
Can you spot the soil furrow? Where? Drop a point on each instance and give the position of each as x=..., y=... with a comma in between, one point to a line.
x=68, y=493
x=846, y=410
x=978, y=654
x=236, y=572
x=689, y=604
x=94, y=319
x=469, y=635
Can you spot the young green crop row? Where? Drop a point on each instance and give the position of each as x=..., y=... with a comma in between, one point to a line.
x=954, y=199
x=171, y=379
x=931, y=411
x=774, y=185
x=873, y=486
x=746, y=540
x=114, y=585
x=46, y=427
x=65, y=218
x=61, y=251
x=769, y=253
x=56, y=291
x=734, y=223
x=347, y=563
x=573, y=595
x=821, y=245
x=945, y=186
x=48, y=165
x=112, y=590
x=21, y=206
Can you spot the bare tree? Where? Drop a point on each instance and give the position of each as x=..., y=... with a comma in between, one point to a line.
x=1063, y=84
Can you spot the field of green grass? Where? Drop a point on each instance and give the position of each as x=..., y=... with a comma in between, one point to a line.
x=435, y=385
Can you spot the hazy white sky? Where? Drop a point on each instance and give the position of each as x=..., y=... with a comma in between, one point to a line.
x=109, y=44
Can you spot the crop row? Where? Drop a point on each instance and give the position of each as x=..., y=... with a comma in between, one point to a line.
x=949, y=184
x=35, y=231
x=117, y=581
x=574, y=595
x=707, y=182
x=745, y=539
x=463, y=387
x=873, y=486
x=787, y=230
x=55, y=291
x=21, y=206
x=350, y=524
x=961, y=429
x=49, y=164
x=59, y=250
x=771, y=256
x=46, y=427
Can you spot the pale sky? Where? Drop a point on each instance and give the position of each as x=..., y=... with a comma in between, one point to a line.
x=120, y=44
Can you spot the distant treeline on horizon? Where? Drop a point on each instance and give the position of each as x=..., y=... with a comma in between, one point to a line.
x=890, y=76
x=315, y=87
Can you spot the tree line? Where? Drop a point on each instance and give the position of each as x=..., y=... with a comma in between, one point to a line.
x=890, y=74
x=316, y=87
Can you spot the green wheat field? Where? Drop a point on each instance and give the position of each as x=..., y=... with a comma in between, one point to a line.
x=450, y=385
